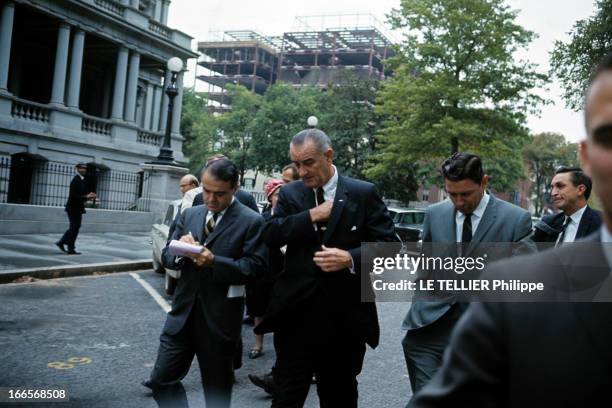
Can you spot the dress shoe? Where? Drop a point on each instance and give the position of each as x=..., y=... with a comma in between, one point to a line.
x=147, y=383
x=60, y=246
x=248, y=320
x=265, y=382
x=255, y=353
x=72, y=252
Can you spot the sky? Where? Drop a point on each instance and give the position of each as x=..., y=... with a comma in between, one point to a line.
x=550, y=19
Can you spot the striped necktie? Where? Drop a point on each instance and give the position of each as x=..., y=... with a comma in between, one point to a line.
x=210, y=224
x=563, y=229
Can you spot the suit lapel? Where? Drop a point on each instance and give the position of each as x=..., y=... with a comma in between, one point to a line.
x=339, y=203
x=226, y=221
x=488, y=219
x=197, y=230
x=585, y=223
x=308, y=198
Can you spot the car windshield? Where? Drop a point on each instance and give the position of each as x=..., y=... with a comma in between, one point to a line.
x=411, y=218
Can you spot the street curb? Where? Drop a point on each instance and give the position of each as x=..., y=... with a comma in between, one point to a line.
x=65, y=271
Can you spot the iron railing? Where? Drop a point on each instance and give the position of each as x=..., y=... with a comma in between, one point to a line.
x=48, y=183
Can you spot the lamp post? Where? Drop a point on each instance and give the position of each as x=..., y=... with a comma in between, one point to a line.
x=175, y=65
x=312, y=121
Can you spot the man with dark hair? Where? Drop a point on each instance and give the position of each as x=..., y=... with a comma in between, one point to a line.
x=571, y=189
x=75, y=208
x=290, y=173
x=241, y=195
x=470, y=216
x=320, y=324
x=206, y=313
x=543, y=354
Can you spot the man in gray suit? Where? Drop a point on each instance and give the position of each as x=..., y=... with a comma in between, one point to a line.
x=471, y=216
x=206, y=315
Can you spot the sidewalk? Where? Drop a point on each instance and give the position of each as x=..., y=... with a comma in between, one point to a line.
x=39, y=250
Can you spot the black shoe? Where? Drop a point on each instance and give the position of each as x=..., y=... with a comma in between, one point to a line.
x=72, y=252
x=147, y=383
x=249, y=320
x=265, y=382
x=61, y=246
x=255, y=353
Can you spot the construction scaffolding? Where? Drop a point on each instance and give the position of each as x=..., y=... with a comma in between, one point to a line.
x=311, y=55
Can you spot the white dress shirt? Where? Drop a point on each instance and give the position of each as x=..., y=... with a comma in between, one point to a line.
x=187, y=201
x=329, y=188
x=572, y=228
x=476, y=217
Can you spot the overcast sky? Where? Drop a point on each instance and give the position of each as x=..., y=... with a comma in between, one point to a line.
x=550, y=19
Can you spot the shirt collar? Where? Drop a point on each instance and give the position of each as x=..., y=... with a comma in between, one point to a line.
x=332, y=183
x=577, y=216
x=482, y=206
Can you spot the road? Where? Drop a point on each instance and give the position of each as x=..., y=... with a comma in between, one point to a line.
x=97, y=337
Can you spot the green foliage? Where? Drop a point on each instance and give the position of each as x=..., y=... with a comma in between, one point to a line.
x=573, y=62
x=457, y=86
x=545, y=153
x=199, y=129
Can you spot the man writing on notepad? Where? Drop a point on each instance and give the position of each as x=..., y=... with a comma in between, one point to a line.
x=206, y=314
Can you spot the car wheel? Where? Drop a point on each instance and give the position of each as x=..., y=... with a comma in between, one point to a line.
x=170, y=284
x=157, y=267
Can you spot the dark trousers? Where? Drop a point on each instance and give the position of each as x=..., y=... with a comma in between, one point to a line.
x=424, y=347
x=71, y=233
x=316, y=346
x=176, y=354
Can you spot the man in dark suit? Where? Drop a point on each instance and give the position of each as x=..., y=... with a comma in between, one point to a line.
x=469, y=217
x=544, y=354
x=75, y=208
x=320, y=324
x=206, y=314
x=241, y=195
x=571, y=189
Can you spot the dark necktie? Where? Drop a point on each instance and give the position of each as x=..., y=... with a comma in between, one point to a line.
x=466, y=233
x=210, y=225
x=563, y=229
x=321, y=225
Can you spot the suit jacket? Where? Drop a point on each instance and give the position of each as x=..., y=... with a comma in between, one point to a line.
x=532, y=354
x=550, y=226
x=501, y=222
x=76, y=196
x=239, y=257
x=241, y=195
x=358, y=215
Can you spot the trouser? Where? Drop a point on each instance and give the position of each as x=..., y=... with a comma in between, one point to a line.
x=176, y=354
x=316, y=347
x=71, y=233
x=424, y=347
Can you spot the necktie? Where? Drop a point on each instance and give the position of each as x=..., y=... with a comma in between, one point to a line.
x=563, y=229
x=321, y=225
x=210, y=225
x=466, y=233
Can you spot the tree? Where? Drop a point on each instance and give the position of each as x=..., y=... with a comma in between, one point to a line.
x=457, y=85
x=199, y=128
x=349, y=120
x=573, y=62
x=545, y=153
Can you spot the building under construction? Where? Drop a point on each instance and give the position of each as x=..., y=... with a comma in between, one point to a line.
x=310, y=55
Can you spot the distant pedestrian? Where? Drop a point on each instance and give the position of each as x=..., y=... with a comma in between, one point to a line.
x=75, y=207
x=290, y=173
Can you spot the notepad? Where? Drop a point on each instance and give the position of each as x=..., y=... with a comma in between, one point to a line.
x=178, y=248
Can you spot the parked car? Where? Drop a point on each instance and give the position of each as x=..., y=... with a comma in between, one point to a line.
x=409, y=223
x=159, y=237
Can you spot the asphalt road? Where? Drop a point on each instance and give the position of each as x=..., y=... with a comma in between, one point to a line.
x=97, y=337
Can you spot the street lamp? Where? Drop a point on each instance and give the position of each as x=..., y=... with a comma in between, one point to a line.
x=175, y=65
x=312, y=121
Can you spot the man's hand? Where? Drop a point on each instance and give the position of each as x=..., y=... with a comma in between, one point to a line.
x=91, y=195
x=333, y=259
x=321, y=212
x=204, y=258
x=188, y=239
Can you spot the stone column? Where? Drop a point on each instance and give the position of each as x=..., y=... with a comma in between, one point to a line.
x=164, y=11
x=164, y=106
x=157, y=11
x=178, y=105
x=157, y=98
x=148, y=112
x=135, y=3
x=6, y=36
x=76, y=66
x=61, y=62
x=132, y=87
x=119, y=90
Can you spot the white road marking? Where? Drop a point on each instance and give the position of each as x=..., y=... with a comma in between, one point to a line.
x=158, y=298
